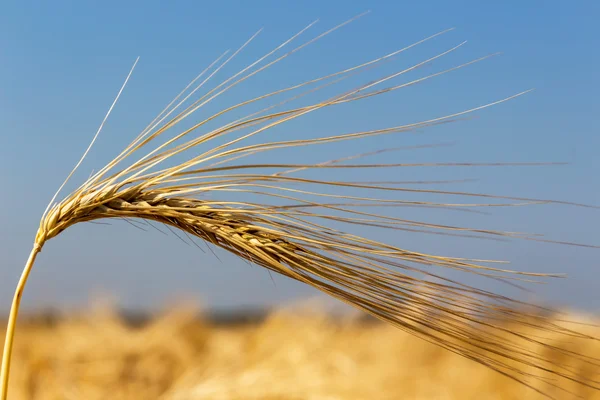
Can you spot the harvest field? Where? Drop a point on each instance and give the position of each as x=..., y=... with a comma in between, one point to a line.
x=286, y=355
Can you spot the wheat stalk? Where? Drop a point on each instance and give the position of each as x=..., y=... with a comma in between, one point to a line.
x=291, y=233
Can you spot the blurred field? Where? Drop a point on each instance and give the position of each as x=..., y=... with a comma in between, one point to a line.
x=289, y=355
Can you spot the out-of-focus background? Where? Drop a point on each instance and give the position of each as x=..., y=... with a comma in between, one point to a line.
x=289, y=354
x=62, y=64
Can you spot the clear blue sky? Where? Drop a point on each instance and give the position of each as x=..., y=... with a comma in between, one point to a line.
x=62, y=63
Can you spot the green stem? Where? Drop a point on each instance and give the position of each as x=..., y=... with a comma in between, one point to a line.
x=12, y=321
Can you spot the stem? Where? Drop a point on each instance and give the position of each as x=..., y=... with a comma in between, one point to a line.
x=12, y=321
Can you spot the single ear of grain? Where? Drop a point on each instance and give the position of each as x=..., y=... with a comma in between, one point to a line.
x=292, y=234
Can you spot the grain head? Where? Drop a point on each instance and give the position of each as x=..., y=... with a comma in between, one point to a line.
x=297, y=229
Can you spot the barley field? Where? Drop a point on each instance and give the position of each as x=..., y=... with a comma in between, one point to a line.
x=287, y=354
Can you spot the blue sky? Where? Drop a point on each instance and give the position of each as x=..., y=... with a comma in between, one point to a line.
x=63, y=62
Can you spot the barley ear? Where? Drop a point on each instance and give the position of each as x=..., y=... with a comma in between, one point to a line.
x=297, y=228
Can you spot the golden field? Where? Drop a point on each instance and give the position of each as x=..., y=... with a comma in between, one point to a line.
x=288, y=355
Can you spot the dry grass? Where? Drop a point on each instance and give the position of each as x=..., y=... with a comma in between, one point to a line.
x=289, y=356
x=302, y=226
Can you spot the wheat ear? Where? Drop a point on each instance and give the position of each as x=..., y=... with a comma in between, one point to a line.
x=291, y=229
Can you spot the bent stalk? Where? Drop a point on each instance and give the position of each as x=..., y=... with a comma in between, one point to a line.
x=12, y=321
